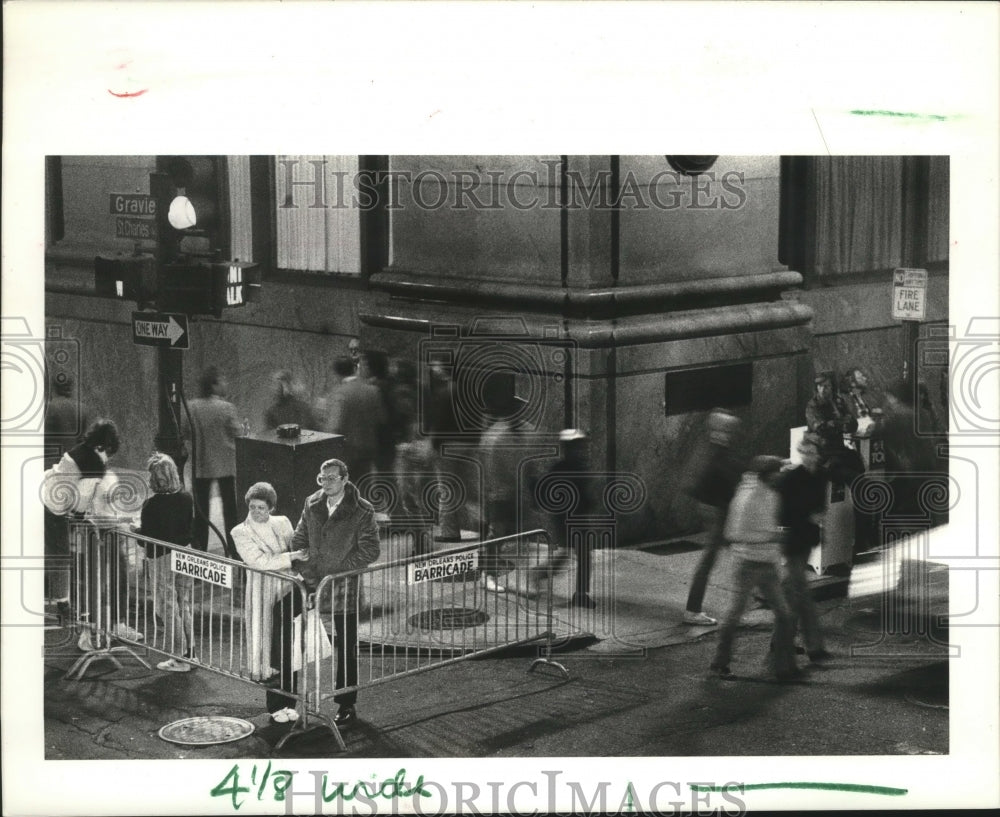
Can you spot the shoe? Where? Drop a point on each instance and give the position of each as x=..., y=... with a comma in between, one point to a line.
x=789, y=676
x=173, y=665
x=85, y=643
x=721, y=670
x=583, y=600
x=699, y=618
x=798, y=650
x=126, y=633
x=286, y=715
x=345, y=715
x=493, y=586
x=820, y=656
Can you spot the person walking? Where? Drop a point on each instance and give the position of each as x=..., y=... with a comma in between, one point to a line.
x=338, y=533
x=713, y=473
x=355, y=410
x=573, y=471
x=167, y=515
x=213, y=428
x=288, y=407
x=803, y=502
x=753, y=527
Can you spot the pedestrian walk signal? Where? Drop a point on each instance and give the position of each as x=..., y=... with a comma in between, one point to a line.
x=208, y=288
x=243, y=282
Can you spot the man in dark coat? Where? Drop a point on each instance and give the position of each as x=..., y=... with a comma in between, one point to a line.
x=338, y=531
x=803, y=503
x=355, y=410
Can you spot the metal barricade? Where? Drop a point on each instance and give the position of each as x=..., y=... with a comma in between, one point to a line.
x=130, y=591
x=427, y=610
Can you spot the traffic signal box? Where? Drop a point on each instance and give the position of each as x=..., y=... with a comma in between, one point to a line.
x=190, y=272
x=131, y=278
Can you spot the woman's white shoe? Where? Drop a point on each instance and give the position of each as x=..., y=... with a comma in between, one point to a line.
x=173, y=665
x=286, y=715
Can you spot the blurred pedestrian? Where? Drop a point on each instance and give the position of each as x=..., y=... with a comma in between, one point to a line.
x=264, y=543
x=403, y=380
x=911, y=458
x=454, y=484
x=338, y=530
x=355, y=410
x=288, y=406
x=803, y=504
x=212, y=430
x=354, y=353
x=502, y=447
x=753, y=527
x=375, y=370
x=573, y=471
x=712, y=475
x=167, y=515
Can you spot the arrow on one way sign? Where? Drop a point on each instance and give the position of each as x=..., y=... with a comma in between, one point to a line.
x=160, y=329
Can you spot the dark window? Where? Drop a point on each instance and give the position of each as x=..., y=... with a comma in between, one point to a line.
x=704, y=389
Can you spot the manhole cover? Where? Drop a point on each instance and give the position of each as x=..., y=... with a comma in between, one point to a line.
x=206, y=731
x=448, y=618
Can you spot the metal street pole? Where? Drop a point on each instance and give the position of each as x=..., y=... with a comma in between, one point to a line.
x=170, y=362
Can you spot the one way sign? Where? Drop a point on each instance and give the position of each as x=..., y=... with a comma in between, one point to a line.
x=167, y=329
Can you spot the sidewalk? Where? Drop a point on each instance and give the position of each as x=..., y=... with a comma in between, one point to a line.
x=118, y=712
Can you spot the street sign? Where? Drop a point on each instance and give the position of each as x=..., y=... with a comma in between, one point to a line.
x=909, y=294
x=136, y=229
x=165, y=329
x=132, y=204
x=442, y=567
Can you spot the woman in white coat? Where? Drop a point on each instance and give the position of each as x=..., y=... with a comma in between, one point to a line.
x=263, y=542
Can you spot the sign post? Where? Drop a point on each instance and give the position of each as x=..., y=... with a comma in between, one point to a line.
x=909, y=304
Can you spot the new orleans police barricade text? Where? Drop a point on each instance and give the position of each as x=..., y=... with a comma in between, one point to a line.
x=441, y=567
x=200, y=567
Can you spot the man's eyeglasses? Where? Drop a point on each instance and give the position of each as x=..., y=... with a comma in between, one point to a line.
x=324, y=478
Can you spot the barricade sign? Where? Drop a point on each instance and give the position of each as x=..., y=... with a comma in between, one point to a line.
x=441, y=567
x=199, y=567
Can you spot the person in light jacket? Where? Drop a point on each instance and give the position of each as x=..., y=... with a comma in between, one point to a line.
x=263, y=542
x=753, y=526
x=337, y=530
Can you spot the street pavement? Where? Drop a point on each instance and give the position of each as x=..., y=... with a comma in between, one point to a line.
x=639, y=686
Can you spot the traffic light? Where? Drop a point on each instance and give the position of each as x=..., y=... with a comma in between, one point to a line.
x=127, y=277
x=192, y=210
x=200, y=288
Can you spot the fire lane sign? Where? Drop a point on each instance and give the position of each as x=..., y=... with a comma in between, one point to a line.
x=165, y=329
x=909, y=294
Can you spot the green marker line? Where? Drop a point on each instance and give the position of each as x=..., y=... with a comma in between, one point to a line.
x=853, y=787
x=903, y=115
